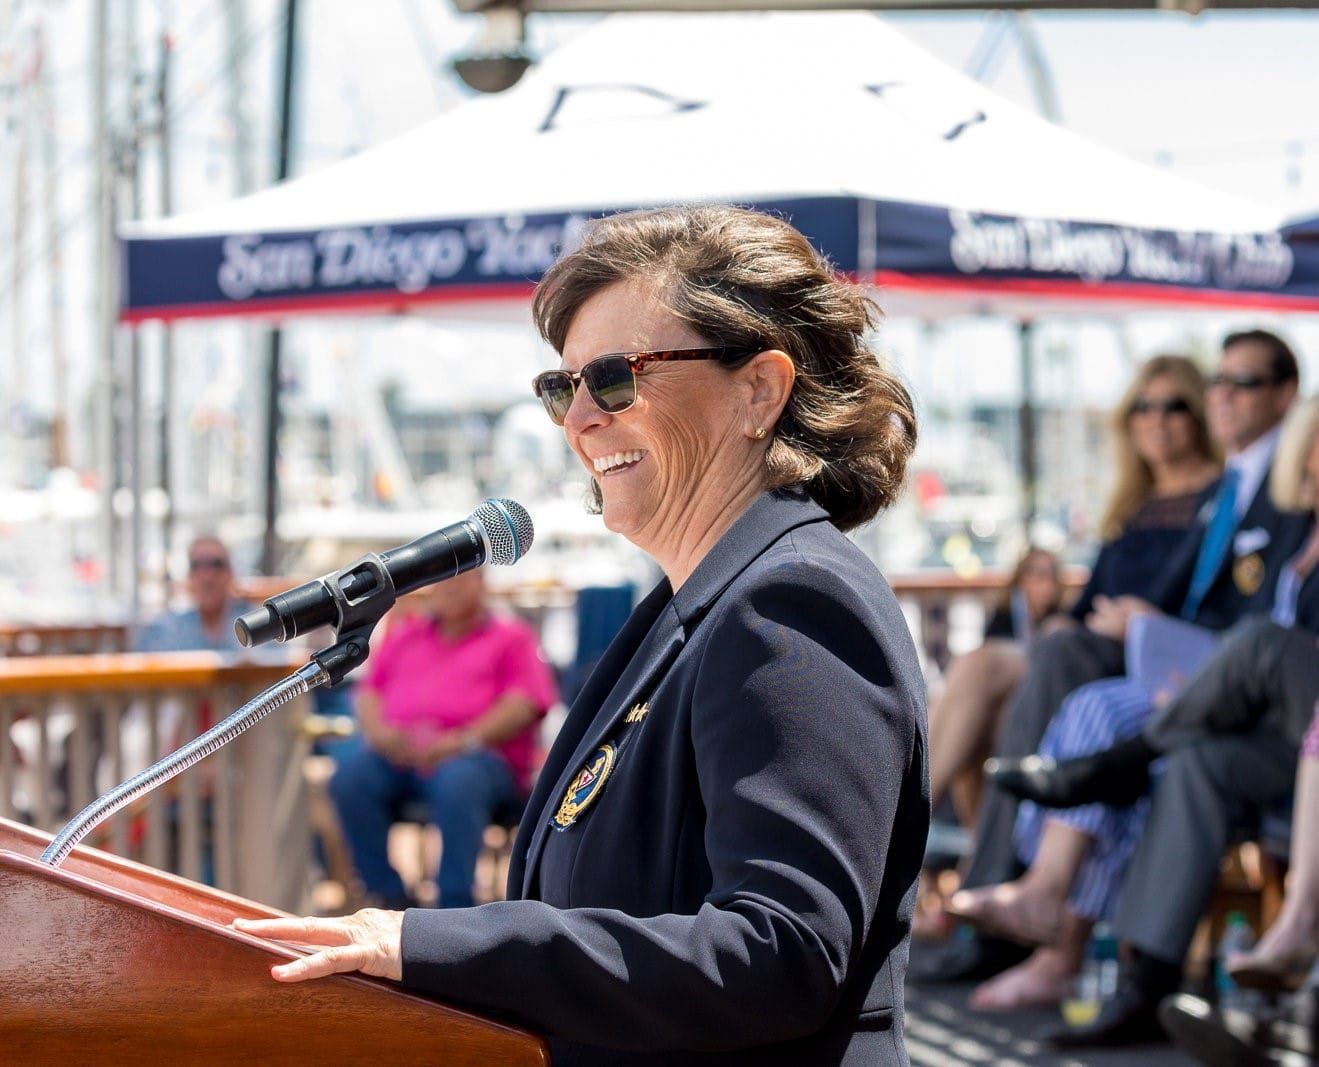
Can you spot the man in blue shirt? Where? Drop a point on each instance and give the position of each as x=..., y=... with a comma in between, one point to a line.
x=209, y=623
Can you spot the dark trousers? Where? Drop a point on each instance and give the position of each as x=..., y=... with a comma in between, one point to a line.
x=1260, y=673
x=1210, y=788
x=1059, y=663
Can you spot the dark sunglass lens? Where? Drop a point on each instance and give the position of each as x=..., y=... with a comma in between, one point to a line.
x=1240, y=381
x=1175, y=406
x=611, y=382
x=555, y=391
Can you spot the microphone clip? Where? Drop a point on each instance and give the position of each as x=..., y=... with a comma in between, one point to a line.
x=348, y=652
x=362, y=592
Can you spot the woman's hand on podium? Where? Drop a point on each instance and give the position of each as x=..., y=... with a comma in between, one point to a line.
x=369, y=941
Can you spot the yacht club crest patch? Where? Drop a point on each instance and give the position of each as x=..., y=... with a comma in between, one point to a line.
x=585, y=786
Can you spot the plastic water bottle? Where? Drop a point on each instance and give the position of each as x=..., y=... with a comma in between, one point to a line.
x=1097, y=980
x=1103, y=946
x=1237, y=937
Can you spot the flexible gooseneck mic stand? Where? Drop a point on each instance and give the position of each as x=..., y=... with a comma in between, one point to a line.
x=327, y=667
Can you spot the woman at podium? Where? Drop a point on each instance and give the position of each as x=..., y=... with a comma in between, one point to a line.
x=718, y=862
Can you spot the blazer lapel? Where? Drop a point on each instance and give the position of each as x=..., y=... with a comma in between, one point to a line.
x=652, y=639
x=656, y=653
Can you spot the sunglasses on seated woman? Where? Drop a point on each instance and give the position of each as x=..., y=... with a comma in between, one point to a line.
x=1176, y=406
x=611, y=380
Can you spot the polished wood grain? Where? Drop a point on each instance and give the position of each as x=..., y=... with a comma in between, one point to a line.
x=106, y=961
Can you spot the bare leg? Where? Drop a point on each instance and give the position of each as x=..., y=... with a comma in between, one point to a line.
x=965, y=718
x=1294, y=935
x=966, y=790
x=1045, y=977
x=1033, y=908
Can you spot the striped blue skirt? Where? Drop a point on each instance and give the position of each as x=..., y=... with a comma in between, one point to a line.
x=1093, y=717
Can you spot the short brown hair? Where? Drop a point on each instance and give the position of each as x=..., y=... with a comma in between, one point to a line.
x=742, y=278
x=1282, y=360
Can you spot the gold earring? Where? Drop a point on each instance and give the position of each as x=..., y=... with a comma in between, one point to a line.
x=760, y=433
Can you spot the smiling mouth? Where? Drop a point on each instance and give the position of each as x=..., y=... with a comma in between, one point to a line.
x=617, y=461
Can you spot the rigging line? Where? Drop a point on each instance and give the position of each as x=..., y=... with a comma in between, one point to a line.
x=70, y=224
x=80, y=154
x=432, y=56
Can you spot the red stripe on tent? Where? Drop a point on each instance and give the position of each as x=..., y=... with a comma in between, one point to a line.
x=1098, y=291
x=373, y=302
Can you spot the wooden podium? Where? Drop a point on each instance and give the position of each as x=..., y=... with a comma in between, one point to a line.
x=103, y=961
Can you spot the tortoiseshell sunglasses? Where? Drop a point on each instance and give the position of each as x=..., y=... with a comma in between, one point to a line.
x=611, y=380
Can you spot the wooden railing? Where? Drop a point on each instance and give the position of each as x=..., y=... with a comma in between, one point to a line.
x=72, y=727
x=933, y=600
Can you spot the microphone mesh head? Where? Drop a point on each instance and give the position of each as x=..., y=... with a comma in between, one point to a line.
x=508, y=530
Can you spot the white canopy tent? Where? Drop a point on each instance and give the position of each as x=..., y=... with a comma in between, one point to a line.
x=905, y=172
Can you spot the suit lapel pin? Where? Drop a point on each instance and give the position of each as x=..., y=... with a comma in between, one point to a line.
x=1248, y=573
x=585, y=787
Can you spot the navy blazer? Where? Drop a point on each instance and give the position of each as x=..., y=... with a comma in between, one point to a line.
x=740, y=889
x=1264, y=540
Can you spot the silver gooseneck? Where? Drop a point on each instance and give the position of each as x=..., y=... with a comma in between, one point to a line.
x=303, y=679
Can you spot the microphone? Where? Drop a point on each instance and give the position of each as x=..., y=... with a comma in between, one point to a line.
x=499, y=532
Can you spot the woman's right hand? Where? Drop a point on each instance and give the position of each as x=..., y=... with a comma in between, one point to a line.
x=370, y=941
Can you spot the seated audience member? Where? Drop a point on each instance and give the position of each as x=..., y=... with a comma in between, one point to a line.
x=447, y=711
x=964, y=718
x=1164, y=464
x=1285, y=1034
x=1265, y=666
x=1236, y=547
x=208, y=623
x=1284, y=960
x=1289, y=948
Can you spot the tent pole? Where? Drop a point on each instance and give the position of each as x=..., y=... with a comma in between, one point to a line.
x=1026, y=426
x=270, y=541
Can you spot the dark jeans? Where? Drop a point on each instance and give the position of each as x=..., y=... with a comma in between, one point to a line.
x=463, y=793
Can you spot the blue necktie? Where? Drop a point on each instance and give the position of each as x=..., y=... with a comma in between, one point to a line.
x=1213, y=547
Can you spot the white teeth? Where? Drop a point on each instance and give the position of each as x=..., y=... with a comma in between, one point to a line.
x=604, y=464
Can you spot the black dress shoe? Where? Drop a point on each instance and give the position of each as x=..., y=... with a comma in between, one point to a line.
x=1129, y=1017
x=1225, y=1038
x=1068, y=783
x=1285, y=1033
x=963, y=959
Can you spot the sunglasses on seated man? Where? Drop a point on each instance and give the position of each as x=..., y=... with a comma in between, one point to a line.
x=1242, y=381
x=611, y=380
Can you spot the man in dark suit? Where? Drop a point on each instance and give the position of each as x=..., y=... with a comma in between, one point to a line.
x=1237, y=547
